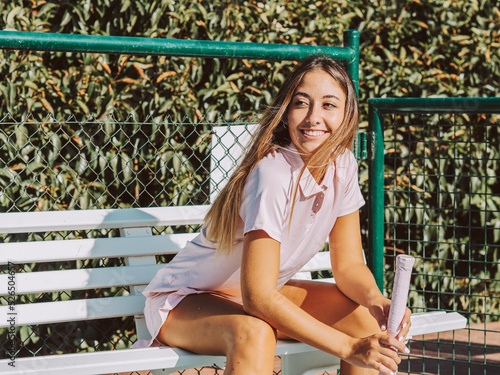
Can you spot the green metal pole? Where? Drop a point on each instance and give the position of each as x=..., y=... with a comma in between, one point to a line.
x=436, y=105
x=168, y=47
x=351, y=41
x=376, y=199
x=378, y=107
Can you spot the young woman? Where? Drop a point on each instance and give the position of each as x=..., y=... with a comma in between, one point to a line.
x=230, y=291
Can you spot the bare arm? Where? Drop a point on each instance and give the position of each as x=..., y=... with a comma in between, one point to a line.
x=260, y=268
x=352, y=275
x=349, y=269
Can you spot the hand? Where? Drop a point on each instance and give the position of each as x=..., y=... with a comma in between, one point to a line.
x=380, y=307
x=405, y=326
x=375, y=352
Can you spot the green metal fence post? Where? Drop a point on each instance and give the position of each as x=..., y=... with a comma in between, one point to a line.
x=351, y=40
x=377, y=108
x=376, y=199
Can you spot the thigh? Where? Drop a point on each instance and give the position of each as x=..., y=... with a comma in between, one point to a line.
x=206, y=324
x=329, y=305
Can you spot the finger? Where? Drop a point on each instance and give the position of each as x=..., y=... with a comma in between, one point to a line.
x=407, y=317
x=383, y=363
x=403, y=332
x=384, y=370
x=379, y=316
x=395, y=344
x=405, y=325
x=389, y=360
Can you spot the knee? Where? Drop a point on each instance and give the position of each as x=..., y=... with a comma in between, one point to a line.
x=253, y=337
x=252, y=347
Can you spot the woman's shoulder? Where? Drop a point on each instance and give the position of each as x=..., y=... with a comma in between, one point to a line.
x=273, y=170
x=346, y=166
x=346, y=160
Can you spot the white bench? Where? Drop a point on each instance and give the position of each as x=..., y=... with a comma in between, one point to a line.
x=139, y=247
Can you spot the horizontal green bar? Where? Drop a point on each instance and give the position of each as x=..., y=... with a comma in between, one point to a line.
x=436, y=105
x=20, y=40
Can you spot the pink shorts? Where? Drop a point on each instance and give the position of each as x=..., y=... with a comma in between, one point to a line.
x=156, y=311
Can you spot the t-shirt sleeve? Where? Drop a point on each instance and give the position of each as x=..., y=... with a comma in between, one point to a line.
x=348, y=169
x=265, y=200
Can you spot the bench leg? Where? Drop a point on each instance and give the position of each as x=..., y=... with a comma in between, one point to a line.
x=308, y=363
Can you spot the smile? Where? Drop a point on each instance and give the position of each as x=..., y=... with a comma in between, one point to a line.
x=313, y=133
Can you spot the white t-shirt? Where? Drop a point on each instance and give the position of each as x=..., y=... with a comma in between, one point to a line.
x=266, y=205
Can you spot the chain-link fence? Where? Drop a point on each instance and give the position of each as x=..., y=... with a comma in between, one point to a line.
x=91, y=164
x=441, y=205
x=70, y=164
x=442, y=199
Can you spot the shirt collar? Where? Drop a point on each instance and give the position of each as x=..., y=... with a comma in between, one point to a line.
x=308, y=185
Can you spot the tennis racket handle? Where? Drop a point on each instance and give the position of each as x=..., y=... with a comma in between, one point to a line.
x=404, y=266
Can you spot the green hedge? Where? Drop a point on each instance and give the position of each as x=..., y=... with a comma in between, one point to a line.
x=408, y=48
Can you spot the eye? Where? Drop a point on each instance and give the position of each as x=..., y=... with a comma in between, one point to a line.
x=330, y=105
x=300, y=103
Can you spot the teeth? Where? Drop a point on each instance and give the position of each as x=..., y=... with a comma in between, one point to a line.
x=313, y=133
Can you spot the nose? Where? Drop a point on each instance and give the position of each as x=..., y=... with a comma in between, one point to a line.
x=314, y=115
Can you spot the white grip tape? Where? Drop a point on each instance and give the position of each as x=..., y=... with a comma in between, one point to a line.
x=404, y=265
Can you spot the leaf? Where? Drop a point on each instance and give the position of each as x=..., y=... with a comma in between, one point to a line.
x=46, y=105
x=104, y=66
x=46, y=8
x=83, y=106
x=139, y=70
x=164, y=75
x=12, y=15
x=21, y=136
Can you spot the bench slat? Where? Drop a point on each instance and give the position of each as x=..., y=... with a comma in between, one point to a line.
x=53, y=251
x=106, y=277
x=110, y=362
x=87, y=278
x=434, y=322
x=46, y=221
x=128, y=360
x=321, y=261
x=73, y=310
x=94, y=278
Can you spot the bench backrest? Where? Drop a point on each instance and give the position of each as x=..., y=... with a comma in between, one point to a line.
x=135, y=243
x=228, y=145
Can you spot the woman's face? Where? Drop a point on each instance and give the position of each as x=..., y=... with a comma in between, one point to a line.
x=315, y=111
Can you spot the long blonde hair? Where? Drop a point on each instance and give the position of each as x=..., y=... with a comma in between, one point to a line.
x=221, y=222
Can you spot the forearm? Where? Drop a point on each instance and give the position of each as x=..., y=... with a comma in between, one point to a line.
x=294, y=322
x=262, y=299
x=357, y=283
x=351, y=274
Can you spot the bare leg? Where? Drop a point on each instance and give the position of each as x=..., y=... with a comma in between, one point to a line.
x=209, y=324
x=328, y=304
